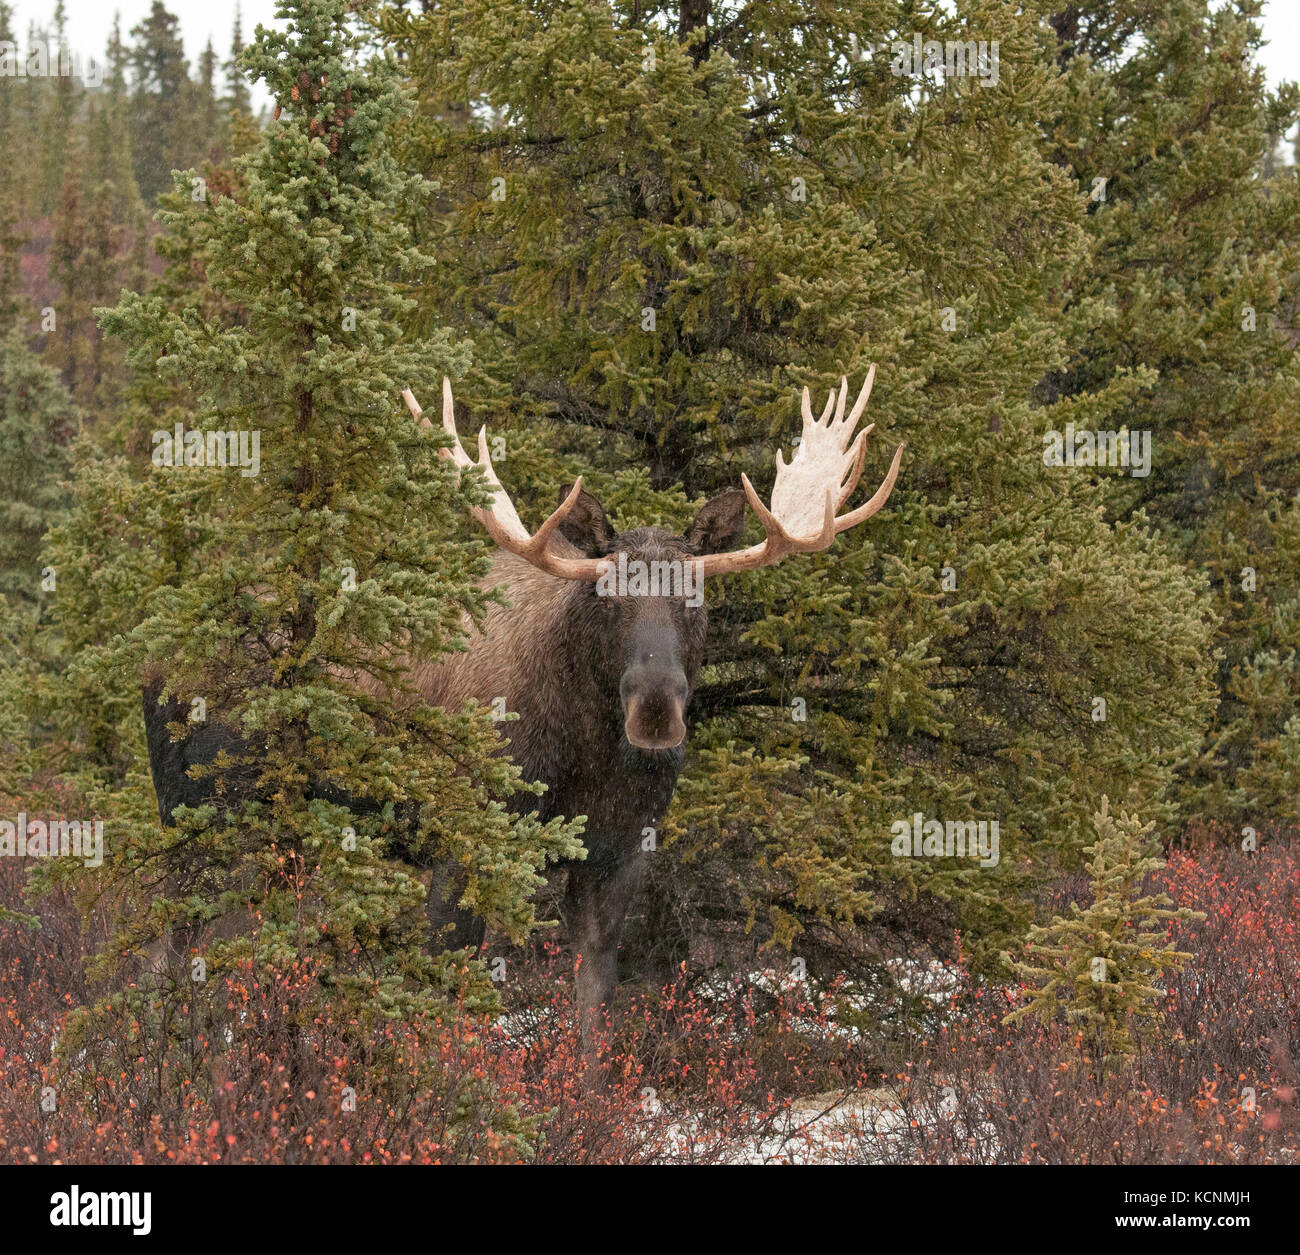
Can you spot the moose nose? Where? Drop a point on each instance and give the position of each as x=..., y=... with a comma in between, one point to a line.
x=654, y=709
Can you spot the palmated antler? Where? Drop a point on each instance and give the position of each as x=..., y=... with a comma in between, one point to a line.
x=501, y=519
x=810, y=490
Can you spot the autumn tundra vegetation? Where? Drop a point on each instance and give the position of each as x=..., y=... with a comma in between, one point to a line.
x=646, y=763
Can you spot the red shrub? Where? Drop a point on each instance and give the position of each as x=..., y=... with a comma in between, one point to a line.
x=692, y=1073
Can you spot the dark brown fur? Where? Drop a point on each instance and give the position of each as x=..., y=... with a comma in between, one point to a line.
x=570, y=662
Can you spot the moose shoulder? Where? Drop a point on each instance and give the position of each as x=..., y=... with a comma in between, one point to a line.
x=597, y=653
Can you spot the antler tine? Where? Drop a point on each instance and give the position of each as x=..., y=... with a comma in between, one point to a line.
x=858, y=452
x=808, y=419
x=827, y=465
x=543, y=534
x=859, y=447
x=414, y=406
x=501, y=519
x=878, y=498
x=841, y=399
x=456, y=452
x=863, y=397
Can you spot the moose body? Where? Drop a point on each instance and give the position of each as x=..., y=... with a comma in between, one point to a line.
x=600, y=676
x=600, y=686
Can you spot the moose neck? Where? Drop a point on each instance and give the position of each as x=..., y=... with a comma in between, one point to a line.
x=547, y=658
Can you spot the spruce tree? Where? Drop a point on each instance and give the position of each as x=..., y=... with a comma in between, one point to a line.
x=1100, y=965
x=1169, y=127
x=237, y=98
x=12, y=303
x=85, y=261
x=109, y=131
x=37, y=422
x=205, y=113
x=27, y=107
x=657, y=227
x=289, y=600
x=61, y=96
x=161, y=102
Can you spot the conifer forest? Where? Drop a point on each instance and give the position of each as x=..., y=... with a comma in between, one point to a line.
x=600, y=582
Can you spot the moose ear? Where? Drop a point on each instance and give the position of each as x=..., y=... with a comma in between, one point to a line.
x=586, y=525
x=719, y=524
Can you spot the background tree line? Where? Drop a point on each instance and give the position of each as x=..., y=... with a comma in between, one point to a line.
x=632, y=233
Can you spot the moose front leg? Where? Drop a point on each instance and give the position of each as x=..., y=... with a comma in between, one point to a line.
x=596, y=905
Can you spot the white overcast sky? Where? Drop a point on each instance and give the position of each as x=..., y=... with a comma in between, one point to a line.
x=89, y=22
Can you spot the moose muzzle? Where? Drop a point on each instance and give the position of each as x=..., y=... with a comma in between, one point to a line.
x=654, y=707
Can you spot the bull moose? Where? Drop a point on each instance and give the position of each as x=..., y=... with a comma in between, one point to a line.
x=600, y=670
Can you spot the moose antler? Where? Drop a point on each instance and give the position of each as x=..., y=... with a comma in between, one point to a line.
x=810, y=490
x=501, y=519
